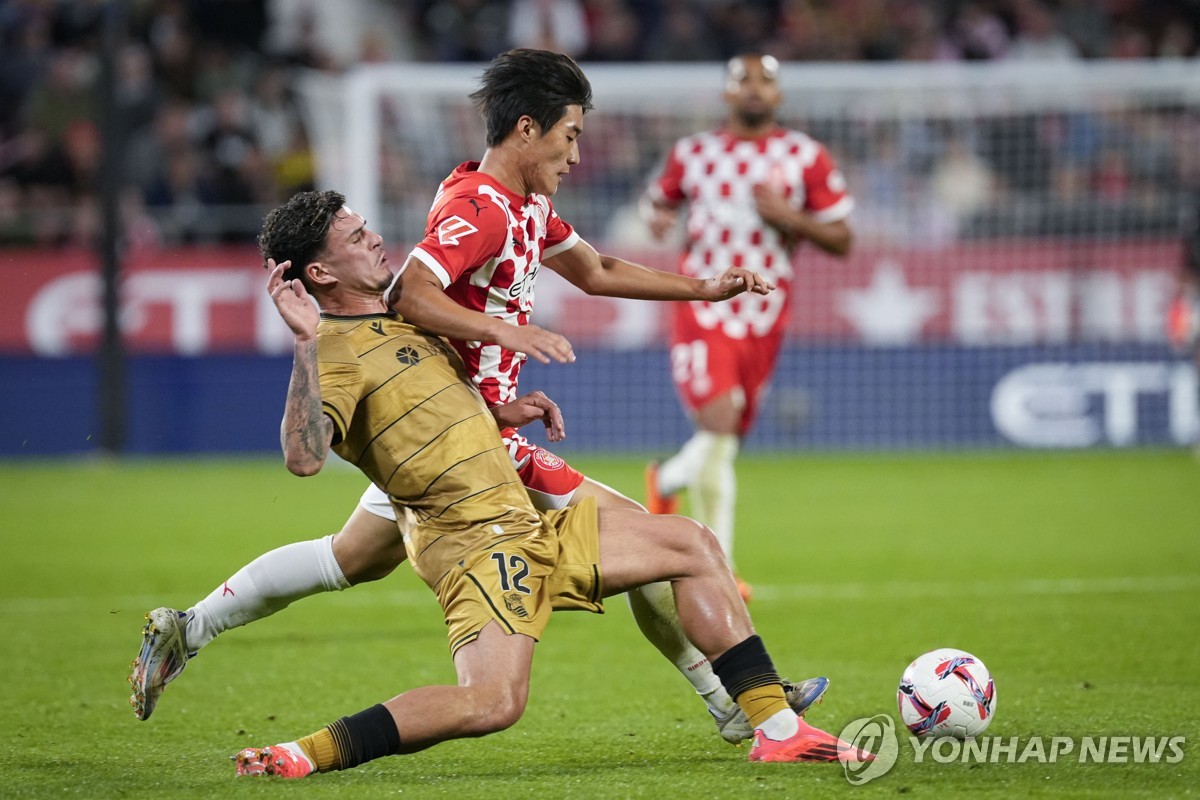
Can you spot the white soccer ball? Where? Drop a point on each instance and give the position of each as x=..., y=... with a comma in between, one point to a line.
x=947, y=692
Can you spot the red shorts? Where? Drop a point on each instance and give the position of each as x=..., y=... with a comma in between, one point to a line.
x=549, y=480
x=706, y=364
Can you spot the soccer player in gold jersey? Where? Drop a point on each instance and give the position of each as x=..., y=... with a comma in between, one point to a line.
x=396, y=403
x=532, y=103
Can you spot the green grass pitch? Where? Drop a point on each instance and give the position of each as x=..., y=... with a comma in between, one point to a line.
x=1074, y=576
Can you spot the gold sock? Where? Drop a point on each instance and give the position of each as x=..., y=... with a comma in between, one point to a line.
x=321, y=750
x=762, y=702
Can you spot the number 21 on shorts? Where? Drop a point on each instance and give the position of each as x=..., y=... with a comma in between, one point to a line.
x=689, y=366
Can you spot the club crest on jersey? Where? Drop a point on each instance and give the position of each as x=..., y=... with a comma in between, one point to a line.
x=407, y=356
x=452, y=229
x=547, y=459
x=439, y=347
x=515, y=604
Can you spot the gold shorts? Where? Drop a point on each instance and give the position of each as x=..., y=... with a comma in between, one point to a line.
x=520, y=581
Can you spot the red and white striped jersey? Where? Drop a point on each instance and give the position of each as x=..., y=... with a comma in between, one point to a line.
x=715, y=174
x=486, y=244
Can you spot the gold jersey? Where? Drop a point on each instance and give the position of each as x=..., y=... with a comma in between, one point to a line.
x=406, y=414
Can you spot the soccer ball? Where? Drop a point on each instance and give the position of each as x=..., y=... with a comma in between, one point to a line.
x=947, y=692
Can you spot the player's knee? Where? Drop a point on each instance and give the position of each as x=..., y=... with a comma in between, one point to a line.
x=379, y=566
x=708, y=548
x=364, y=558
x=507, y=711
x=696, y=544
x=498, y=710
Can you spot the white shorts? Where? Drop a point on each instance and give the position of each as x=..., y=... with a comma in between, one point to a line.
x=376, y=501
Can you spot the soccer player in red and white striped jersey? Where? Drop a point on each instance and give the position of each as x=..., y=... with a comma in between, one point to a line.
x=493, y=227
x=754, y=192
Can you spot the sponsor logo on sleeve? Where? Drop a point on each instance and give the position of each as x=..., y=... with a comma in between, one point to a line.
x=452, y=229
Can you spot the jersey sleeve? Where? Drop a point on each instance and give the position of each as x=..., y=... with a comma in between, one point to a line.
x=667, y=188
x=462, y=234
x=341, y=383
x=825, y=195
x=560, y=236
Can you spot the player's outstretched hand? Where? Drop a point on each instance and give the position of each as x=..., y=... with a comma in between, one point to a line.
x=530, y=407
x=535, y=342
x=292, y=301
x=733, y=282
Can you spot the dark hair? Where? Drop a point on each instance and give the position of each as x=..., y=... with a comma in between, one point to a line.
x=537, y=83
x=296, y=230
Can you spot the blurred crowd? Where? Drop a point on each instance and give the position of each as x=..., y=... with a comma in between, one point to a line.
x=813, y=30
x=212, y=130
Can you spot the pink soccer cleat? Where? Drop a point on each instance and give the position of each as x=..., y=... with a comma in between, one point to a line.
x=809, y=744
x=280, y=761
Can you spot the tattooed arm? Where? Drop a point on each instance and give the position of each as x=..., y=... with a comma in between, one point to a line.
x=306, y=432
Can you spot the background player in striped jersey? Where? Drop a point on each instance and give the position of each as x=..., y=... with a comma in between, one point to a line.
x=755, y=191
x=471, y=278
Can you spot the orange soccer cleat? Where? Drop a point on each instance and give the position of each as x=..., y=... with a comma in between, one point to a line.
x=657, y=502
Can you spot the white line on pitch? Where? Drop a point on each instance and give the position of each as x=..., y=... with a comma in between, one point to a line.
x=1031, y=587
x=762, y=593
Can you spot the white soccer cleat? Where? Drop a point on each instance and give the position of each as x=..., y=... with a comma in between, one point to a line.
x=735, y=728
x=162, y=657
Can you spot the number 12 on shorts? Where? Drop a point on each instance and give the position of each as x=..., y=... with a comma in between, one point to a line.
x=512, y=570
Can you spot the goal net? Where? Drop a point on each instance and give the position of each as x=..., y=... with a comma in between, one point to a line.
x=1018, y=239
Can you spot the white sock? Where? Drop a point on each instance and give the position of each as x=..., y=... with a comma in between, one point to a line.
x=781, y=725
x=267, y=584
x=653, y=607
x=675, y=474
x=705, y=466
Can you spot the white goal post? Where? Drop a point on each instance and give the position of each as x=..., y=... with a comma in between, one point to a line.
x=347, y=115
